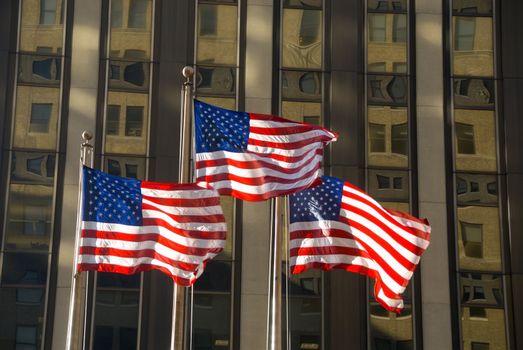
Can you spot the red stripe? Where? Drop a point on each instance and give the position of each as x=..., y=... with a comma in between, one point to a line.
x=149, y=237
x=393, y=234
x=284, y=130
x=289, y=145
x=273, y=118
x=207, y=219
x=255, y=164
x=125, y=270
x=319, y=233
x=185, y=202
x=382, y=212
x=157, y=222
x=256, y=181
x=328, y=250
x=266, y=195
x=171, y=187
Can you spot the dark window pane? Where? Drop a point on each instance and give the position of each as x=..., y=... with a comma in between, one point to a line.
x=24, y=269
x=49, y=165
x=464, y=33
x=216, y=277
x=479, y=293
x=42, y=68
x=308, y=83
x=492, y=188
x=303, y=3
x=474, y=186
x=465, y=138
x=211, y=319
x=397, y=89
x=34, y=165
x=128, y=337
x=461, y=185
x=377, y=137
x=310, y=27
x=473, y=189
x=137, y=13
x=134, y=121
x=478, y=312
x=103, y=338
x=114, y=72
x=376, y=88
x=377, y=27
x=399, y=33
x=40, y=117
x=472, y=239
x=479, y=346
x=400, y=142
x=114, y=167
x=135, y=74
x=474, y=93
x=116, y=13
x=208, y=19
x=387, y=5
x=131, y=170
x=397, y=183
x=383, y=181
x=113, y=120
x=115, y=280
x=216, y=80
x=47, y=11
x=473, y=7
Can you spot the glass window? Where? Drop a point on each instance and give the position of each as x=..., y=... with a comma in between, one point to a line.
x=465, y=31
x=137, y=13
x=387, y=89
x=40, y=116
x=302, y=38
x=399, y=33
x=113, y=120
x=387, y=5
x=479, y=346
x=474, y=93
x=472, y=239
x=377, y=137
x=209, y=20
x=465, y=138
x=134, y=121
x=377, y=27
x=217, y=34
x=113, y=167
x=399, y=139
x=300, y=111
x=47, y=11
x=216, y=81
x=389, y=185
x=472, y=7
x=116, y=13
x=133, y=167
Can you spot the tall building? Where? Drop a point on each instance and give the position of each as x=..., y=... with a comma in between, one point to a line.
x=426, y=95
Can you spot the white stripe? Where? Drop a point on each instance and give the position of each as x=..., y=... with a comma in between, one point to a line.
x=295, y=152
x=375, y=229
x=186, y=211
x=333, y=259
x=180, y=194
x=134, y=262
x=258, y=172
x=266, y=187
x=321, y=225
x=140, y=230
x=418, y=241
x=288, y=138
x=260, y=123
x=411, y=223
x=325, y=242
x=189, y=226
x=157, y=247
x=393, y=303
x=253, y=157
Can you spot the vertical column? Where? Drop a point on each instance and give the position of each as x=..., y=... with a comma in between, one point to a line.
x=512, y=68
x=431, y=174
x=82, y=116
x=256, y=216
x=344, y=300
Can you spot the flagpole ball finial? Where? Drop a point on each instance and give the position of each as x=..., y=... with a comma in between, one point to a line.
x=188, y=72
x=87, y=136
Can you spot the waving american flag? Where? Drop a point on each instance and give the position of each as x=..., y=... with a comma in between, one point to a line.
x=254, y=156
x=336, y=225
x=130, y=226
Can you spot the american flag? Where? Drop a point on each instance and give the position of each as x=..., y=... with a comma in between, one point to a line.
x=336, y=225
x=130, y=226
x=254, y=156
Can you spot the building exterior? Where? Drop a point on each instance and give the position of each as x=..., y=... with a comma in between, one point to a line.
x=426, y=95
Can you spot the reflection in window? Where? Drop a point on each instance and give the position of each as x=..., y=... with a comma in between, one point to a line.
x=134, y=121
x=383, y=182
x=375, y=86
x=464, y=33
x=131, y=170
x=465, y=138
x=137, y=13
x=399, y=33
x=377, y=137
x=47, y=11
x=479, y=346
x=309, y=83
x=461, y=185
x=377, y=27
x=399, y=139
x=113, y=167
x=42, y=68
x=476, y=311
x=40, y=117
x=26, y=337
x=134, y=74
x=116, y=13
x=472, y=239
x=208, y=20
x=112, y=126
x=310, y=27
x=397, y=89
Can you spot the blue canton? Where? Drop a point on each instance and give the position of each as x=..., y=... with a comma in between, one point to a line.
x=111, y=199
x=220, y=129
x=322, y=202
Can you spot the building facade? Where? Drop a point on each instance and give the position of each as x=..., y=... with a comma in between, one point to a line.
x=427, y=98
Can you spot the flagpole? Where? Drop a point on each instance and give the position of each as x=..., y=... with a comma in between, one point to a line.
x=177, y=330
x=77, y=323
x=274, y=341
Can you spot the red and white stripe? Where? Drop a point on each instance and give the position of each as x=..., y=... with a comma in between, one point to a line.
x=368, y=239
x=183, y=227
x=282, y=157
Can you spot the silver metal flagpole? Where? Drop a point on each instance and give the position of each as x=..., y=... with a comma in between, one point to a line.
x=177, y=331
x=274, y=341
x=77, y=323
